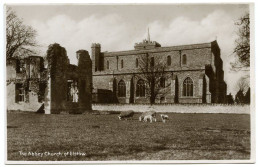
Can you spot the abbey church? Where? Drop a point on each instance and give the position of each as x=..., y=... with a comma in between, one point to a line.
x=196, y=73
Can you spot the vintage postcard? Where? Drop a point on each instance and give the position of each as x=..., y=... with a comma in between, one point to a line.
x=129, y=83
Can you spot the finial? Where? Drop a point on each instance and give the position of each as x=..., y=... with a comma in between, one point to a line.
x=148, y=36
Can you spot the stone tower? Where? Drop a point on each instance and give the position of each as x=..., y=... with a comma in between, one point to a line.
x=96, y=57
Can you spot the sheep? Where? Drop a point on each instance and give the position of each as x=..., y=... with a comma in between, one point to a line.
x=126, y=114
x=148, y=117
x=152, y=113
x=164, y=117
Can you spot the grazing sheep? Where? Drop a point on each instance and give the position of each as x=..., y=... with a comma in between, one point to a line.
x=152, y=113
x=148, y=117
x=164, y=117
x=126, y=114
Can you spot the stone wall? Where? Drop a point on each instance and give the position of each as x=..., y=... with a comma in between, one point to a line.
x=176, y=108
x=61, y=73
x=200, y=58
x=106, y=82
x=30, y=85
x=27, y=72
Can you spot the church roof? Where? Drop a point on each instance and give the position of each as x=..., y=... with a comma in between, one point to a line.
x=162, y=49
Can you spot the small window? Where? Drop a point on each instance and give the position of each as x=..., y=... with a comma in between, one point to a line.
x=152, y=62
x=107, y=64
x=20, y=93
x=122, y=63
x=121, y=89
x=136, y=63
x=188, y=87
x=169, y=61
x=19, y=66
x=184, y=59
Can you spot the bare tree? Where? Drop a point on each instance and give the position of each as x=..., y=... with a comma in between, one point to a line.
x=152, y=69
x=20, y=38
x=242, y=49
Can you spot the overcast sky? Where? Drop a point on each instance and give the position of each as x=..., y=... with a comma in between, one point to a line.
x=119, y=27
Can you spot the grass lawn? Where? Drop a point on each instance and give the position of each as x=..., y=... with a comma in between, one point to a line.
x=104, y=137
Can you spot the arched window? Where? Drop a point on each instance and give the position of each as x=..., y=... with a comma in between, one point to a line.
x=184, y=59
x=121, y=89
x=136, y=63
x=122, y=63
x=169, y=60
x=107, y=64
x=140, y=88
x=152, y=61
x=162, y=82
x=187, y=87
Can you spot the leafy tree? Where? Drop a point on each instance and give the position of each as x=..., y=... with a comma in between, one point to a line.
x=242, y=49
x=20, y=38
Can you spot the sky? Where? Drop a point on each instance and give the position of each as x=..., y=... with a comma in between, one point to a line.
x=119, y=27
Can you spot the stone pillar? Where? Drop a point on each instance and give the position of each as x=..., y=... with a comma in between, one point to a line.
x=200, y=87
x=173, y=87
x=127, y=98
x=208, y=94
x=85, y=81
x=56, y=94
x=47, y=97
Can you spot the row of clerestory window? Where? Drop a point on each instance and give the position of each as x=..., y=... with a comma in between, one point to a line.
x=169, y=61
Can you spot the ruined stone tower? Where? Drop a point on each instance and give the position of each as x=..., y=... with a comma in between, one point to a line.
x=69, y=86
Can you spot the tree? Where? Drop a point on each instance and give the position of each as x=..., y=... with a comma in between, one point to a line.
x=152, y=69
x=242, y=49
x=20, y=38
x=247, y=97
x=243, y=84
x=230, y=99
x=239, y=97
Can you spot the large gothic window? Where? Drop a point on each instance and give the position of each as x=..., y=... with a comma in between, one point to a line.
x=140, y=88
x=169, y=61
x=187, y=87
x=184, y=59
x=121, y=89
x=136, y=63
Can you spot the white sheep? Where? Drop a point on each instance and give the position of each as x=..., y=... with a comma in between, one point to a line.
x=152, y=113
x=164, y=117
x=148, y=117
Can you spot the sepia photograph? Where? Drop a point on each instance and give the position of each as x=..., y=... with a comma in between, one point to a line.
x=135, y=83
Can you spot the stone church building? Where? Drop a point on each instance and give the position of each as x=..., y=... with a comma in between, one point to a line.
x=196, y=72
x=195, y=76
